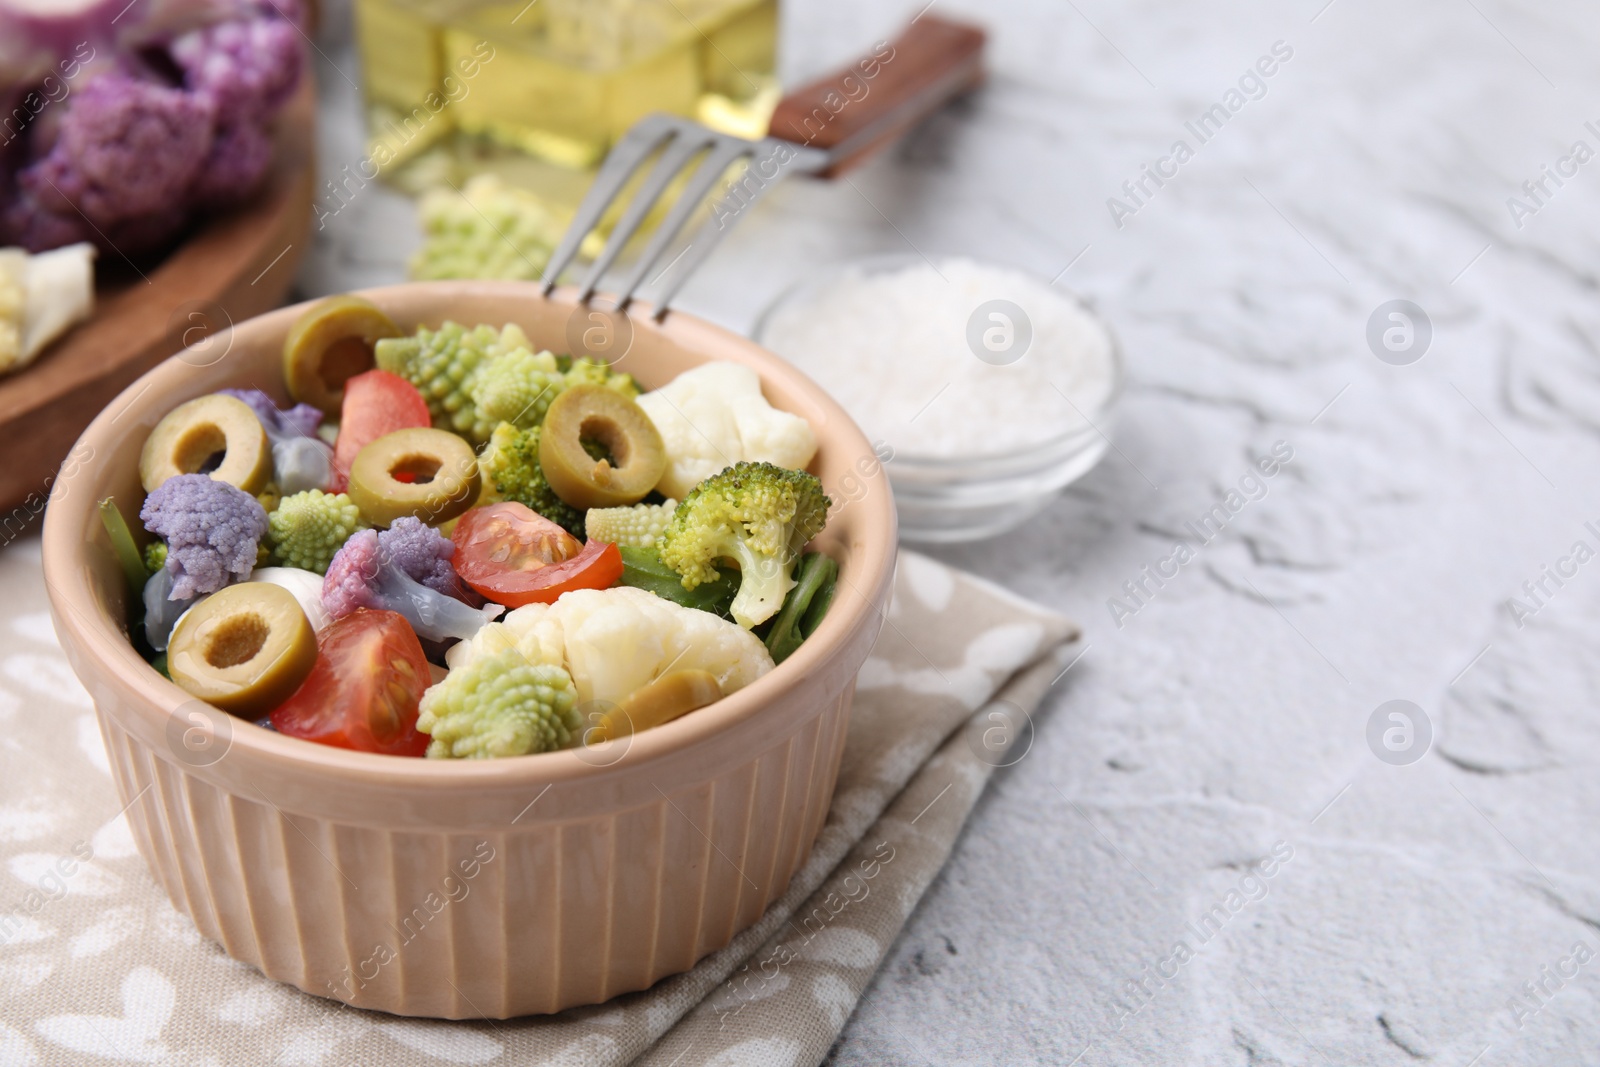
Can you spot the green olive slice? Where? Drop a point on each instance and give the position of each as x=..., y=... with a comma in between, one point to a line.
x=330, y=344
x=430, y=474
x=668, y=697
x=244, y=649
x=208, y=430
x=634, y=455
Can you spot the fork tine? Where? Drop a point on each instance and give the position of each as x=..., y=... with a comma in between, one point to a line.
x=721, y=156
x=624, y=158
x=677, y=153
x=708, y=237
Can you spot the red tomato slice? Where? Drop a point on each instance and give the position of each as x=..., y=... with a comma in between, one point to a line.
x=364, y=689
x=376, y=403
x=514, y=556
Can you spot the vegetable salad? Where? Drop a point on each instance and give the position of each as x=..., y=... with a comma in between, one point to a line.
x=456, y=546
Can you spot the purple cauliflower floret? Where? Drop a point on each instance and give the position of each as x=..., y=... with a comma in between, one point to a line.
x=211, y=529
x=239, y=160
x=301, y=420
x=300, y=459
x=400, y=570
x=246, y=67
x=127, y=149
x=424, y=554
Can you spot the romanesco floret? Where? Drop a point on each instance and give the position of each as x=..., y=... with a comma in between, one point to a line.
x=500, y=705
x=518, y=387
x=759, y=516
x=487, y=230
x=444, y=364
x=631, y=527
x=511, y=471
x=588, y=371
x=306, y=529
x=155, y=556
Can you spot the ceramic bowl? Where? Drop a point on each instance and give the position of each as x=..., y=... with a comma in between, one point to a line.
x=471, y=889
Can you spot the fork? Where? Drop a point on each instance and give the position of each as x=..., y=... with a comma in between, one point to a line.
x=822, y=128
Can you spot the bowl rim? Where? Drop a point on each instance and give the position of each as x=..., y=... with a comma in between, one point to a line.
x=152, y=696
x=882, y=262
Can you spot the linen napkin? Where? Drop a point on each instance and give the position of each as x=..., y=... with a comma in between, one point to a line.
x=96, y=966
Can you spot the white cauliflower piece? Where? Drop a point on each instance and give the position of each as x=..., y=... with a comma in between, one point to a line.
x=41, y=298
x=13, y=299
x=614, y=641
x=714, y=416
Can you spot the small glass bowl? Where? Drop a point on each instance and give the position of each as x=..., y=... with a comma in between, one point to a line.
x=941, y=500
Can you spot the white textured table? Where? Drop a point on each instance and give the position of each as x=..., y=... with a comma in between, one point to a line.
x=1440, y=911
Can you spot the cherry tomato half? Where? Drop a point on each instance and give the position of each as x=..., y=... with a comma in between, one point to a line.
x=514, y=556
x=376, y=404
x=363, y=691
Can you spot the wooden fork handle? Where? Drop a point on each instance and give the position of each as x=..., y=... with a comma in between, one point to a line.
x=855, y=111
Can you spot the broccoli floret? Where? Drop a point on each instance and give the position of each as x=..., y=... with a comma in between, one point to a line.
x=406, y=568
x=444, y=365
x=308, y=528
x=500, y=705
x=587, y=371
x=155, y=556
x=212, y=530
x=518, y=387
x=632, y=527
x=511, y=471
x=759, y=516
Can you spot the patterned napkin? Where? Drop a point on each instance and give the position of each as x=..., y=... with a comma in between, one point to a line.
x=96, y=966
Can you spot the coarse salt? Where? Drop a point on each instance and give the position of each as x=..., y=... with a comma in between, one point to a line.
x=918, y=359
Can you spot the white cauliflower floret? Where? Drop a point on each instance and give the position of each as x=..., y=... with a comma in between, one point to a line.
x=13, y=298
x=614, y=641
x=714, y=416
x=41, y=298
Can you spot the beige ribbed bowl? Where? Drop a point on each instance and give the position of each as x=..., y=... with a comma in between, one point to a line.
x=477, y=888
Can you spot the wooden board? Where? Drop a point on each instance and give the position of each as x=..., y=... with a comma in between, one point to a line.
x=236, y=266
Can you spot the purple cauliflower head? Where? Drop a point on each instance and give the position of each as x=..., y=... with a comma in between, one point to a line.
x=211, y=529
x=240, y=157
x=400, y=570
x=247, y=67
x=26, y=222
x=126, y=149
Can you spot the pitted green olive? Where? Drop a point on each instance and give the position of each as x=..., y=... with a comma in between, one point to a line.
x=216, y=435
x=244, y=649
x=670, y=696
x=632, y=456
x=330, y=344
x=427, y=473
